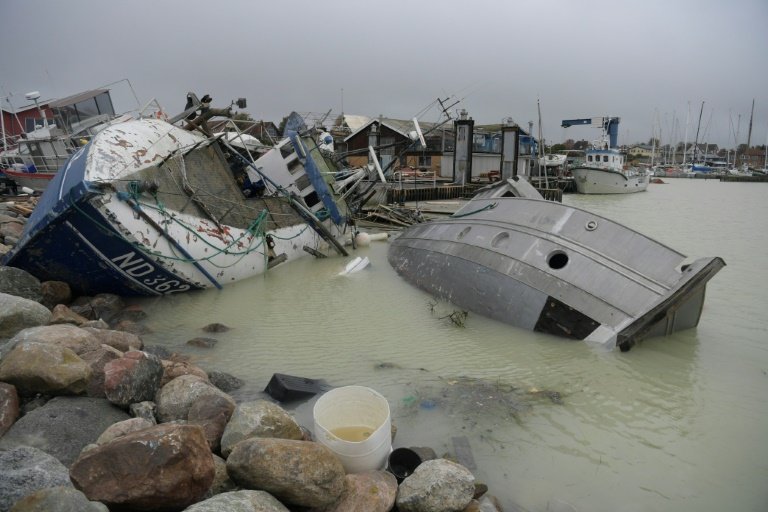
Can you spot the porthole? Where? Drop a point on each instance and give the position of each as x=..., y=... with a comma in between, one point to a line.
x=591, y=225
x=463, y=233
x=557, y=260
x=500, y=240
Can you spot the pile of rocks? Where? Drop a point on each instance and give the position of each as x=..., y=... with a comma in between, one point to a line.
x=13, y=217
x=92, y=420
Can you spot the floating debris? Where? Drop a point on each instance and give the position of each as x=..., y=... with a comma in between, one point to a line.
x=472, y=396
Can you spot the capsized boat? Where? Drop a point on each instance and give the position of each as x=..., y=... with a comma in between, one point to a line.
x=510, y=255
x=151, y=208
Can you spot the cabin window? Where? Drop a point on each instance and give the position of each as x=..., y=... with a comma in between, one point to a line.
x=425, y=161
x=294, y=166
x=287, y=149
x=605, y=158
x=311, y=199
x=303, y=182
x=589, y=158
x=104, y=104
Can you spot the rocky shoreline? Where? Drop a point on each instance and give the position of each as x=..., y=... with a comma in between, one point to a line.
x=91, y=419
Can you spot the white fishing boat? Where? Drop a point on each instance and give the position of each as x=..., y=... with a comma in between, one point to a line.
x=149, y=208
x=510, y=255
x=604, y=170
x=34, y=158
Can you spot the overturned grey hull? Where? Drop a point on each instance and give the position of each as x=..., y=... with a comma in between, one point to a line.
x=551, y=268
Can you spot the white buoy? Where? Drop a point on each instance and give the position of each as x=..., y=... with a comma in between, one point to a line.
x=362, y=239
x=378, y=236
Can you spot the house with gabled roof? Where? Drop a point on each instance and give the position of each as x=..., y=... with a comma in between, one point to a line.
x=395, y=145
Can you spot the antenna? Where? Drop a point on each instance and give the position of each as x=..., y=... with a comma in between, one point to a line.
x=420, y=134
x=33, y=96
x=444, y=108
x=376, y=163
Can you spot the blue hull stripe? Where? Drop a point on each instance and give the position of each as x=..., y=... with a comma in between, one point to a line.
x=67, y=239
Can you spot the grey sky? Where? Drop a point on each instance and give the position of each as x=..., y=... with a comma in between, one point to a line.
x=641, y=60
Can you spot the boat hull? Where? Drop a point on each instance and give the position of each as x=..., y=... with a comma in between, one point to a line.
x=124, y=224
x=607, y=181
x=37, y=181
x=550, y=268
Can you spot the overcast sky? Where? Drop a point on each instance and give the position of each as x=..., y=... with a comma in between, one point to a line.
x=646, y=61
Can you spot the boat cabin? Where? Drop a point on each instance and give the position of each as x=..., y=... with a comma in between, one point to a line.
x=58, y=130
x=604, y=159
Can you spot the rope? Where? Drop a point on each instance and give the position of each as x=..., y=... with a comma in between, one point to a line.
x=490, y=206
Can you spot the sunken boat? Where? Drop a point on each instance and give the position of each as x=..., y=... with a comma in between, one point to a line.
x=510, y=255
x=154, y=206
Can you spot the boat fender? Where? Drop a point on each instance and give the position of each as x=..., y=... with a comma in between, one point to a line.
x=362, y=239
x=378, y=236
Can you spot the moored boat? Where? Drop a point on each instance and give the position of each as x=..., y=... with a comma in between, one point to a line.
x=35, y=181
x=510, y=255
x=552, y=160
x=34, y=157
x=603, y=170
x=151, y=208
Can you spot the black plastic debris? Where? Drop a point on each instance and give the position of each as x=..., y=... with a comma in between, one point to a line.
x=286, y=388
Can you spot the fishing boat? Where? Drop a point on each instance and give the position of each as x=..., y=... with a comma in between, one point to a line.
x=152, y=206
x=34, y=160
x=35, y=156
x=603, y=170
x=510, y=255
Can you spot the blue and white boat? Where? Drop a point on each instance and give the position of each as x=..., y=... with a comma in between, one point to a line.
x=151, y=208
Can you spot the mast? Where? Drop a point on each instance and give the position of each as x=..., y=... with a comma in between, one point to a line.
x=696, y=143
x=749, y=133
x=751, y=115
x=736, y=141
x=653, y=136
x=685, y=139
x=541, y=149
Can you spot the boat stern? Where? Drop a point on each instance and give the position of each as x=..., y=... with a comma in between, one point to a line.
x=677, y=310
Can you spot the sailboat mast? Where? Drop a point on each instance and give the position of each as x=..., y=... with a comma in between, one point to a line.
x=749, y=133
x=541, y=149
x=696, y=142
x=685, y=139
x=653, y=136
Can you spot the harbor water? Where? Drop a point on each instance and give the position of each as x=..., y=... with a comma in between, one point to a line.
x=677, y=424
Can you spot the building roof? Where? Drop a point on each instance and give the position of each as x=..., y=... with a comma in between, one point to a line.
x=355, y=122
x=401, y=126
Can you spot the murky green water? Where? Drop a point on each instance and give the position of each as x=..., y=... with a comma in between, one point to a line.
x=677, y=424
